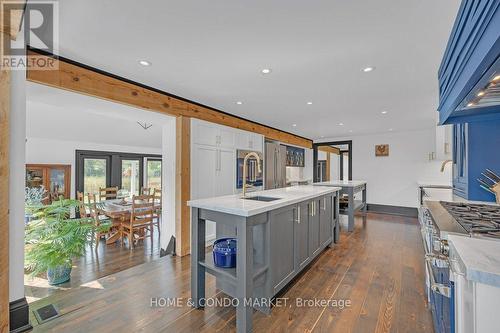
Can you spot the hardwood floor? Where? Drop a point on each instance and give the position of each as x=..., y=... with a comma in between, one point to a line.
x=107, y=260
x=378, y=268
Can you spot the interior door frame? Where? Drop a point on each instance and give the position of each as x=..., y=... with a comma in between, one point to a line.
x=113, y=167
x=331, y=143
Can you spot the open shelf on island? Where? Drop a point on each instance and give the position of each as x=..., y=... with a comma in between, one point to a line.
x=358, y=204
x=230, y=273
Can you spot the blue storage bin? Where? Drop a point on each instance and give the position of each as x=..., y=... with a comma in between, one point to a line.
x=224, y=252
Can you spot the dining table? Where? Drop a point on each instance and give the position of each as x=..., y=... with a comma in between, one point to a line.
x=119, y=211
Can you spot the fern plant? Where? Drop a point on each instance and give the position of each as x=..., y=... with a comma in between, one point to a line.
x=53, y=238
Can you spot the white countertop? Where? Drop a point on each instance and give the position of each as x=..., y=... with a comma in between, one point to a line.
x=434, y=184
x=478, y=257
x=233, y=204
x=342, y=183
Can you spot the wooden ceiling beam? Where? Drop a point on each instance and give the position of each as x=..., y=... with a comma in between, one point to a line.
x=84, y=80
x=11, y=24
x=329, y=149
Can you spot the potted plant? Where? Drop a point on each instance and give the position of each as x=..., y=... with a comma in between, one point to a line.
x=33, y=197
x=54, y=239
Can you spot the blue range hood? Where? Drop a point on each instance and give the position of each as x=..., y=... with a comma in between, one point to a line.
x=469, y=75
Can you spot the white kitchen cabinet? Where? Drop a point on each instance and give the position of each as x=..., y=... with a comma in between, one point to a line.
x=213, y=174
x=206, y=133
x=249, y=141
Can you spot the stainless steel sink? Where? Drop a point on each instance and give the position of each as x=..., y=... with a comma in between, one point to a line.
x=261, y=198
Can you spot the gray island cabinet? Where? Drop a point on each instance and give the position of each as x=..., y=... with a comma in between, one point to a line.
x=275, y=241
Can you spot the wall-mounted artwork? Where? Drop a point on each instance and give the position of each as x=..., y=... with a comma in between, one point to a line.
x=381, y=150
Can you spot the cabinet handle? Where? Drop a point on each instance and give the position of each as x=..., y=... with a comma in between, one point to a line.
x=324, y=203
x=298, y=215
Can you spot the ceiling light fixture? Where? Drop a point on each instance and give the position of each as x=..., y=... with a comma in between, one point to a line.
x=470, y=104
x=145, y=126
x=341, y=124
x=144, y=63
x=239, y=102
x=481, y=93
x=368, y=69
x=496, y=78
x=294, y=125
x=266, y=71
x=309, y=103
x=384, y=112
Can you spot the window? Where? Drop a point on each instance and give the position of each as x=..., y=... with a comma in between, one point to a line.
x=130, y=177
x=94, y=174
x=153, y=173
x=130, y=172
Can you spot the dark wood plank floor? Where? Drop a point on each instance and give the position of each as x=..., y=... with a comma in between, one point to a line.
x=378, y=268
x=107, y=260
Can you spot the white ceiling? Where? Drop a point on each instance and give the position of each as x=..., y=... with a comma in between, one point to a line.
x=212, y=52
x=62, y=115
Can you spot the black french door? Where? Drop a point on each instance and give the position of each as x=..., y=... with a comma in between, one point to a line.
x=95, y=169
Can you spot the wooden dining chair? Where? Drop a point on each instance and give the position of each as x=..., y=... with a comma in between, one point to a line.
x=82, y=209
x=157, y=210
x=140, y=224
x=100, y=220
x=108, y=193
x=147, y=191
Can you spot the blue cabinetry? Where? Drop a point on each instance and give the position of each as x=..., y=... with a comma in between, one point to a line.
x=460, y=155
x=476, y=147
x=470, y=69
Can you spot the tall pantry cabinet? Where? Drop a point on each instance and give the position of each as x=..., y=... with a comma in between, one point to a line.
x=213, y=161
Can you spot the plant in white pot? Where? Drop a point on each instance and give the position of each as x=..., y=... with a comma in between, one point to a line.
x=54, y=239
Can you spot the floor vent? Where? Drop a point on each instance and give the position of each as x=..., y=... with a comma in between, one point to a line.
x=46, y=313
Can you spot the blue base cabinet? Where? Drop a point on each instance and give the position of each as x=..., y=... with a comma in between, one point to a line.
x=476, y=147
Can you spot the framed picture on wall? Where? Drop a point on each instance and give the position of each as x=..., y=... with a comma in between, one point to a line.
x=382, y=150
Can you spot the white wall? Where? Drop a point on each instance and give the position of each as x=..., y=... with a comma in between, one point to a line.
x=334, y=167
x=392, y=180
x=52, y=151
x=16, y=183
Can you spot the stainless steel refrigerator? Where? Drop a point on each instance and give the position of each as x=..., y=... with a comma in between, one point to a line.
x=275, y=166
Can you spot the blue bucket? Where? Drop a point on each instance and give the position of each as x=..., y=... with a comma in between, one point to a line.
x=224, y=252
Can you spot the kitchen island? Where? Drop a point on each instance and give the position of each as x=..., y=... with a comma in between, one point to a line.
x=349, y=188
x=279, y=232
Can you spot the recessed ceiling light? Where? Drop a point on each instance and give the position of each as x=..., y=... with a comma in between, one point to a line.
x=470, y=104
x=341, y=124
x=496, y=78
x=266, y=71
x=368, y=69
x=309, y=103
x=144, y=63
x=239, y=102
x=384, y=112
x=481, y=93
x=294, y=125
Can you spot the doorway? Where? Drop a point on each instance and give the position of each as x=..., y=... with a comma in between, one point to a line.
x=332, y=161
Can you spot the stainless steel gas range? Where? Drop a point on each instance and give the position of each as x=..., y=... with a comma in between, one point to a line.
x=438, y=220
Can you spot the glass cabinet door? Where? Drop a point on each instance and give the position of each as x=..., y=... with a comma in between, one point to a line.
x=57, y=186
